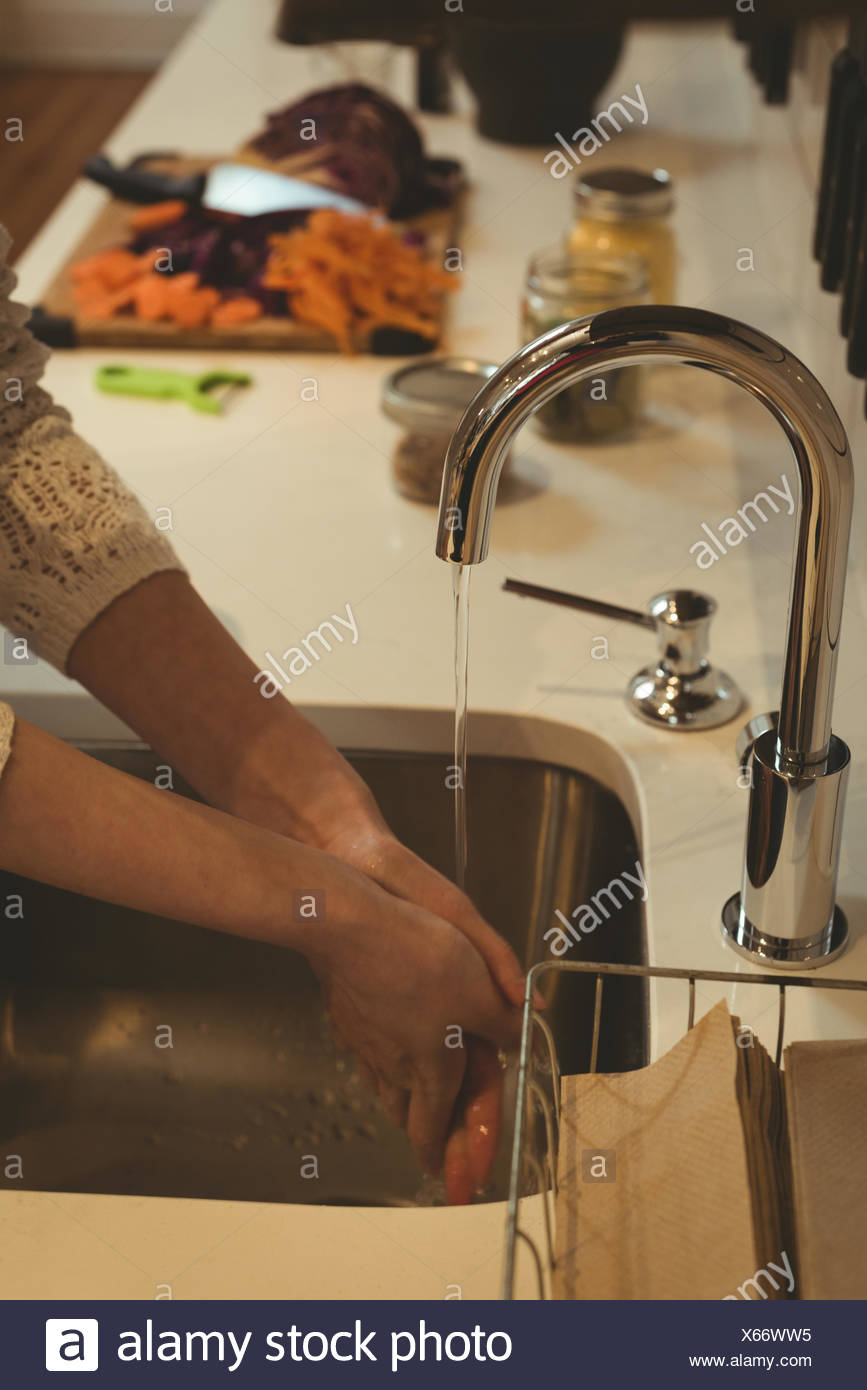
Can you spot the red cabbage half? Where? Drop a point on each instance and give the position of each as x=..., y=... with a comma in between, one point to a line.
x=369, y=147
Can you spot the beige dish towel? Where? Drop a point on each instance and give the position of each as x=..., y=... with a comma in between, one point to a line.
x=673, y=1219
x=826, y=1096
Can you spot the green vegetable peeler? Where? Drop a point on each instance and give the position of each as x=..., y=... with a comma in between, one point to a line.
x=196, y=389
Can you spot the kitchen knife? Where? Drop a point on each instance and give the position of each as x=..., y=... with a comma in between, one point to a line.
x=242, y=189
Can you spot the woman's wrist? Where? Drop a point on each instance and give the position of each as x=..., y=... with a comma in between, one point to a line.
x=295, y=783
x=319, y=904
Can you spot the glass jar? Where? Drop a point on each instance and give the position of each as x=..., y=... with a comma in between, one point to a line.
x=560, y=286
x=428, y=398
x=622, y=210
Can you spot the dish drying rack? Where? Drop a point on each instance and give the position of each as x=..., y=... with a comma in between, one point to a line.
x=538, y=1088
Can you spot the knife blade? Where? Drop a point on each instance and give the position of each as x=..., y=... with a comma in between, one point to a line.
x=242, y=189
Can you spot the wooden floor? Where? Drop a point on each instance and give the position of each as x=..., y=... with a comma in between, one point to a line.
x=65, y=118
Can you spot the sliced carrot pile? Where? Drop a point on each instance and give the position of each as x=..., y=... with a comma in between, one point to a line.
x=348, y=275
x=115, y=280
x=157, y=215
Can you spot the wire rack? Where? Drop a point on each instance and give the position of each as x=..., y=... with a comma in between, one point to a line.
x=537, y=1100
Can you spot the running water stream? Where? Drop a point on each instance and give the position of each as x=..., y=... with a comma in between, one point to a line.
x=461, y=590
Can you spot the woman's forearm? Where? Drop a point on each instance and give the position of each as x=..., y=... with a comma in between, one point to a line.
x=68, y=820
x=165, y=665
x=160, y=659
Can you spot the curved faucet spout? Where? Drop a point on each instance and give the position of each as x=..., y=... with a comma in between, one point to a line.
x=804, y=750
x=623, y=337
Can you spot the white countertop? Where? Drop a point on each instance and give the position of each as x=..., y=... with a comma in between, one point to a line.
x=284, y=513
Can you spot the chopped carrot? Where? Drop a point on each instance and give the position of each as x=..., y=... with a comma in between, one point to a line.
x=348, y=274
x=232, y=311
x=87, y=289
x=97, y=308
x=115, y=280
x=103, y=304
x=324, y=308
x=112, y=268
x=89, y=269
x=180, y=284
x=157, y=215
x=150, y=297
x=192, y=308
x=159, y=259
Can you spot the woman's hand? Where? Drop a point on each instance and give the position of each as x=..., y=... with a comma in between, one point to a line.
x=414, y=1000
x=367, y=844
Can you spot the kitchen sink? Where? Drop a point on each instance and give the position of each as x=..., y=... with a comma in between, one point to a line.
x=94, y=1099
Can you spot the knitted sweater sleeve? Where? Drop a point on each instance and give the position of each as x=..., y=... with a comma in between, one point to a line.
x=72, y=537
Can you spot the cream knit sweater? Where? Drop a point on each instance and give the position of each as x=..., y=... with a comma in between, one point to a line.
x=72, y=537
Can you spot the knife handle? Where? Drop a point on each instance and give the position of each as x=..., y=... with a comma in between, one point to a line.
x=136, y=185
x=844, y=70
x=55, y=330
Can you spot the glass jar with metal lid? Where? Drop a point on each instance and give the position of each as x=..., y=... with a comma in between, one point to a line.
x=562, y=285
x=428, y=398
x=619, y=210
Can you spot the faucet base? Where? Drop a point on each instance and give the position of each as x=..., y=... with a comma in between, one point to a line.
x=783, y=953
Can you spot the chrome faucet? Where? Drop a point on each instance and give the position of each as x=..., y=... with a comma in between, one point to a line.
x=785, y=915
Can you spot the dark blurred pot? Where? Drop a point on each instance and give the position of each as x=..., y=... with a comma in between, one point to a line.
x=533, y=77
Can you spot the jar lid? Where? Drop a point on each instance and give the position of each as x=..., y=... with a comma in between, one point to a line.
x=433, y=395
x=618, y=193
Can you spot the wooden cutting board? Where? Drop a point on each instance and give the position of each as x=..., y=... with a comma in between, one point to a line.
x=110, y=228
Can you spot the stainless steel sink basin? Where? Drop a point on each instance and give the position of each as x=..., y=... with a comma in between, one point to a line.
x=251, y=1085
